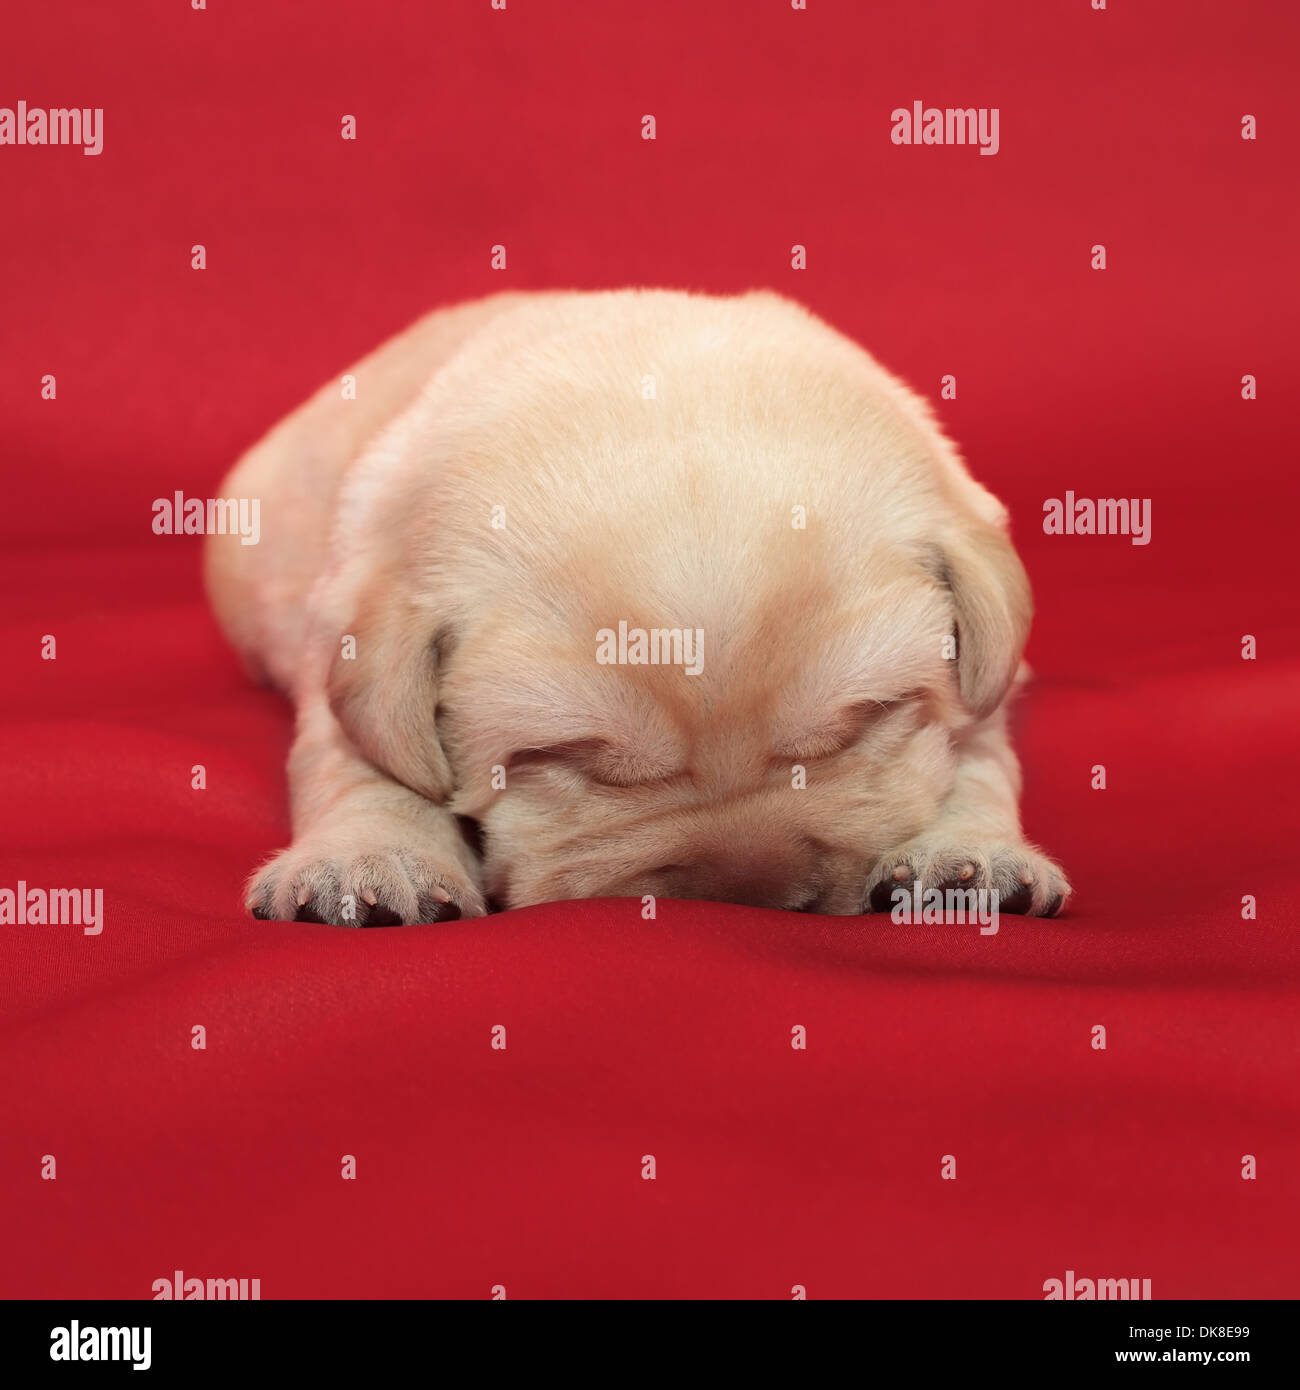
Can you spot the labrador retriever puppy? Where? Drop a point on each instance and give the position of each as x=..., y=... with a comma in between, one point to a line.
x=656, y=593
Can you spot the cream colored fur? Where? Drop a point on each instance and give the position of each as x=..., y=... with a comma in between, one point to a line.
x=501, y=490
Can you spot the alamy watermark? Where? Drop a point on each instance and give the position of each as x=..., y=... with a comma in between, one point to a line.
x=913, y=905
x=194, y=1289
x=77, y=1343
x=947, y=125
x=1072, y=1287
x=59, y=125
x=55, y=907
x=656, y=646
x=1101, y=516
x=179, y=515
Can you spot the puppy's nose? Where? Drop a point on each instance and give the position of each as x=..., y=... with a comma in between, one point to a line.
x=744, y=892
x=747, y=877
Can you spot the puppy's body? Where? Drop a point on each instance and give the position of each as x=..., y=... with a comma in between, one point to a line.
x=520, y=474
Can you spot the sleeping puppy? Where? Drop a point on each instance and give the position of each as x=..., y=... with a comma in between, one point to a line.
x=656, y=593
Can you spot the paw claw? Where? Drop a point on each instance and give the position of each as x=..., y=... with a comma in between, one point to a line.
x=435, y=907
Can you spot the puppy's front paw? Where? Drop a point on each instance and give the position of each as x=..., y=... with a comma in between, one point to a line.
x=1026, y=882
x=381, y=887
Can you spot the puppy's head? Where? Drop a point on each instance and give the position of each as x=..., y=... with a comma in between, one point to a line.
x=815, y=735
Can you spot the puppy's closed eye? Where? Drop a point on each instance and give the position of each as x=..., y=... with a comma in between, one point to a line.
x=596, y=760
x=573, y=755
x=843, y=729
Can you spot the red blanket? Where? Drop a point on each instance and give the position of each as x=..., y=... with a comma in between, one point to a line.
x=951, y=1127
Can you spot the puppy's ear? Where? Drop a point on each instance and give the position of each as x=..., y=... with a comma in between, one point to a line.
x=385, y=694
x=991, y=594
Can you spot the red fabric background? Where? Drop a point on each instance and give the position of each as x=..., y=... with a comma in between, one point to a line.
x=672, y=1038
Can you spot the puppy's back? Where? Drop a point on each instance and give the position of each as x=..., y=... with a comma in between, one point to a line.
x=259, y=592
